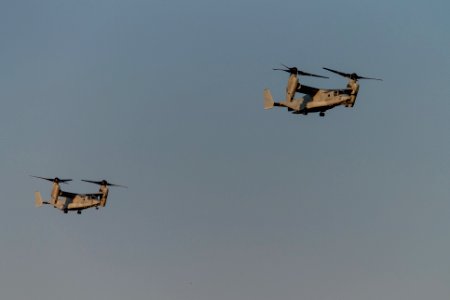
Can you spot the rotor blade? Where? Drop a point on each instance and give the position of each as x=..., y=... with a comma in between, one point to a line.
x=338, y=72
x=53, y=179
x=361, y=77
x=92, y=181
x=352, y=76
x=103, y=182
x=295, y=70
x=117, y=185
x=49, y=179
x=310, y=74
x=281, y=70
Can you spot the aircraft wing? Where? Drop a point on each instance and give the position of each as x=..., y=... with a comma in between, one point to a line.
x=73, y=195
x=94, y=195
x=342, y=91
x=67, y=194
x=308, y=90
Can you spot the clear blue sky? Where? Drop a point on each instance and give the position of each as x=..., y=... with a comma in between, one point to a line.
x=225, y=200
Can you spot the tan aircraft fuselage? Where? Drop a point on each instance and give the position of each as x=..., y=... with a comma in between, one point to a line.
x=314, y=100
x=69, y=201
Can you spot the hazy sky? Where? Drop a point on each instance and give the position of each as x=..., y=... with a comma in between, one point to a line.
x=225, y=200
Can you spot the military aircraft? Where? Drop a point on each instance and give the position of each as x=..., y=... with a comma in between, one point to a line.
x=66, y=201
x=315, y=99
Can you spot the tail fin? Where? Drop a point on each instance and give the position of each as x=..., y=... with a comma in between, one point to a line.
x=38, y=199
x=268, y=99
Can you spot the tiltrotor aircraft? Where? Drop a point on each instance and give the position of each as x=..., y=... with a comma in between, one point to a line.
x=315, y=100
x=66, y=201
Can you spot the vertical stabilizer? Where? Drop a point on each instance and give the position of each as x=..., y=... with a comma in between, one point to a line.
x=38, y=199
x=268, y=99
